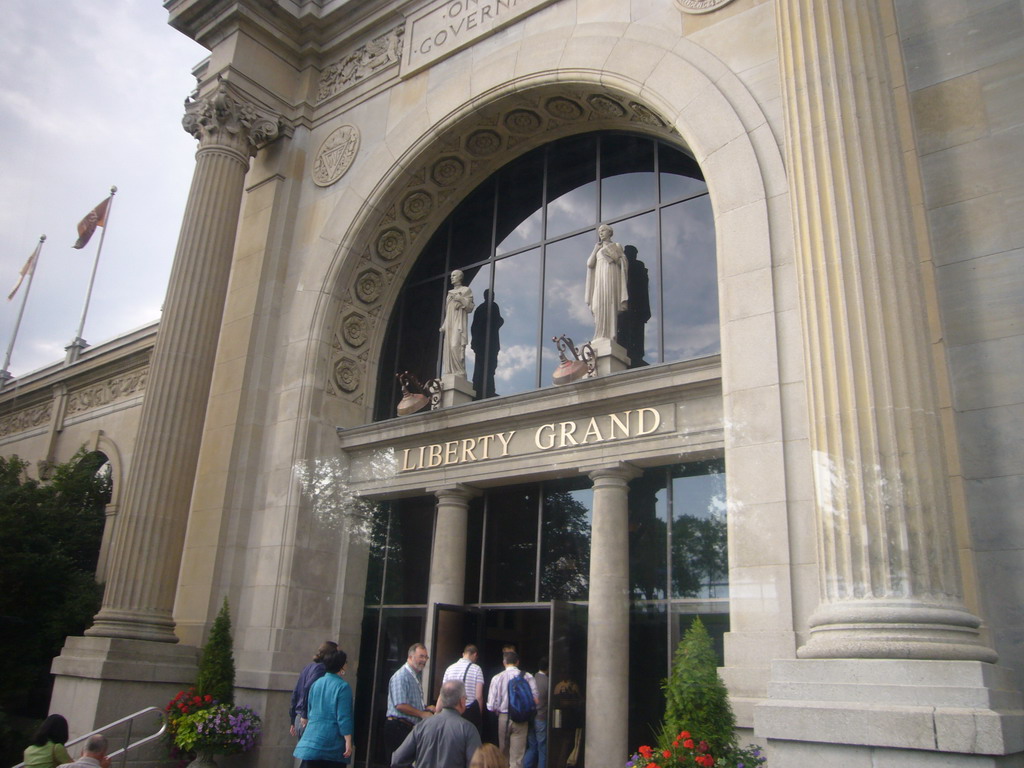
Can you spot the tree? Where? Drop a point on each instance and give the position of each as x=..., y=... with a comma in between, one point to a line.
x=217, y=664
x=50, y=534
x=696, y=699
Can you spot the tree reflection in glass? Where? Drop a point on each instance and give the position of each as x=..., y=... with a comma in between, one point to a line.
x=700, y=557
x=565, y=540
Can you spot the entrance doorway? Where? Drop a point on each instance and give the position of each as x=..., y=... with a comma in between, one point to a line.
x=555, y=632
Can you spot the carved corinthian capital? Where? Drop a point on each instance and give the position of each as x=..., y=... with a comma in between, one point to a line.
x=224, y=119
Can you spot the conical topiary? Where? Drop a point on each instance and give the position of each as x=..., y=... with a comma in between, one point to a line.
x=696, y=699
x=217, y=664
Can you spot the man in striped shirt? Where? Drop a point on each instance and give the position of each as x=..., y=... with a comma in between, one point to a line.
x=469, y=673
x=405, y=699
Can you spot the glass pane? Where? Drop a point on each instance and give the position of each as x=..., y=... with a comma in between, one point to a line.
x=690, y=277
x=510, y=559
x=565, y=306
x=572, y=185
x=433, y=259
x=680, y=175
x=419, y=339
x=700, y=556
x=479, y=281
x=474, y=541
x=408, y=559
x=520, y=200
x=638, y=327
x=628, y=182
x=472, y=225
x=377, y=533
x=565, y=542
x=648, y=535
x=648, y=666
x=517, y=300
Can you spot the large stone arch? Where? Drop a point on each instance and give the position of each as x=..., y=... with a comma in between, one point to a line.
x=426, y=165
x=564, y=81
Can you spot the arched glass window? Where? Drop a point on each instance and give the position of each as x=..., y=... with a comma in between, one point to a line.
x=522, y=239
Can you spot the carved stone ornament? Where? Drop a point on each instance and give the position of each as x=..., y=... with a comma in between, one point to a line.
x=336, y=155
x=700, y=6
x=380, y=53
x=223, y=118
x=368, y=286
x=354, y=329
x=107, y=392
x=22, y=421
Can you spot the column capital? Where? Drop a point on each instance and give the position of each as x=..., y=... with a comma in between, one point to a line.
x=620, y=471
x=225, y=118
x=455, y=491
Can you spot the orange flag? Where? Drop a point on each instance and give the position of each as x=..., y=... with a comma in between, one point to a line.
x=26, y=270
x=97, y=217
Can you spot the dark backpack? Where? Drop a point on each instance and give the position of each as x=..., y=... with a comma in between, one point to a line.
x=521, y=706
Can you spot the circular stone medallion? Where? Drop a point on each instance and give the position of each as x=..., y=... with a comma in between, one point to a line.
x=335, y=155
x=700, y=6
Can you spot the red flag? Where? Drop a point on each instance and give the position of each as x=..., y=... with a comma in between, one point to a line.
x=97, y=217
x=26, y=270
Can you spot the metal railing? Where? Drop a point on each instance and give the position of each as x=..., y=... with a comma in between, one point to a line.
x=128, y=744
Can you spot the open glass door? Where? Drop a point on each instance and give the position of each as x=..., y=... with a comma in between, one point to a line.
x=455, y=626
x=567, y=695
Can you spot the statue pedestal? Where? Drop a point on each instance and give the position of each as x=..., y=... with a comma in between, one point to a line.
x=609, y=356
x=456, y=390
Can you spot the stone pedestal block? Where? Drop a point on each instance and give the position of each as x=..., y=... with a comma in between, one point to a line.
x=927, y=711
x=101, y=679
x=610, y=356
x=456, y=390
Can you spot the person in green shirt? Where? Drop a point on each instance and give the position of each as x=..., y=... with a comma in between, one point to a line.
x=47, y=747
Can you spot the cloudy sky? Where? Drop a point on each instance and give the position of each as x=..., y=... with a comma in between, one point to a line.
x=91, y=95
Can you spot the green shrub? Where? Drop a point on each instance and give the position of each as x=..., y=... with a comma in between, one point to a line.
x=217, y=664
x=695, y=697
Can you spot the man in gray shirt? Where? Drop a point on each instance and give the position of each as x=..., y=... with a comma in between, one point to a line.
x=445, y=740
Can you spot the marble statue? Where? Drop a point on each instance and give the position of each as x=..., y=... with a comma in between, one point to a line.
x=455, y=328
x=607, y=280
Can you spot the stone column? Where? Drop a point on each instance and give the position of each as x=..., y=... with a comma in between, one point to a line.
x=888, y=565
x=447, y=575
x=608, y=616
x=147, y=547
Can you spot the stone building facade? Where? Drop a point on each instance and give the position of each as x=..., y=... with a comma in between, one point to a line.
x=820, y=457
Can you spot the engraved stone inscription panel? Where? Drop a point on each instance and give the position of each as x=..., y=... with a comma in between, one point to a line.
x=445, y=27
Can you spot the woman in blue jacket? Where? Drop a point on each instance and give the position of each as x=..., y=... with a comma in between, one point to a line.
x=327, y=740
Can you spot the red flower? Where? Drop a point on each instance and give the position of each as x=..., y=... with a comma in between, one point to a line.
x=208, y=697
x=702, y=747
x=675, y=743
x=646, y=751
x=666, y=753
x=684, y=734
x=688, y=743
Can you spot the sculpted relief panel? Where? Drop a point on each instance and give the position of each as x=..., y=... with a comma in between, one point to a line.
x=107, y=392
x=26, y=419
x=465, y=156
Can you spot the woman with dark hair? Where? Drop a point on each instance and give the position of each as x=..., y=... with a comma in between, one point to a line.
x=327, y=740
x=47, y=748
x=309, y=675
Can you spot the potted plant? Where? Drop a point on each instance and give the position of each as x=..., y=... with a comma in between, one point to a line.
x=202, y=720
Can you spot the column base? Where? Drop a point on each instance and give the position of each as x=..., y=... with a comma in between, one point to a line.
x=99, y=680
x=888, y=712
x=876, y=629
x=129, y=625
x=456, y=390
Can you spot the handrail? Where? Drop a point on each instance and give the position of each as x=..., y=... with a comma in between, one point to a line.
x=127, y=746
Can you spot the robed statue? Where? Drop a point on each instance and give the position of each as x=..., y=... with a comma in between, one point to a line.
x=455, y=328
x=607, y=281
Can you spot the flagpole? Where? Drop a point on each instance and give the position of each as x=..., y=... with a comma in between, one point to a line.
x=78, y=344
x=5, y=374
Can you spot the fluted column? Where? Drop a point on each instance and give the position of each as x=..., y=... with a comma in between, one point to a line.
x=608, y=616
x=143, y=573
x=889, y=575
